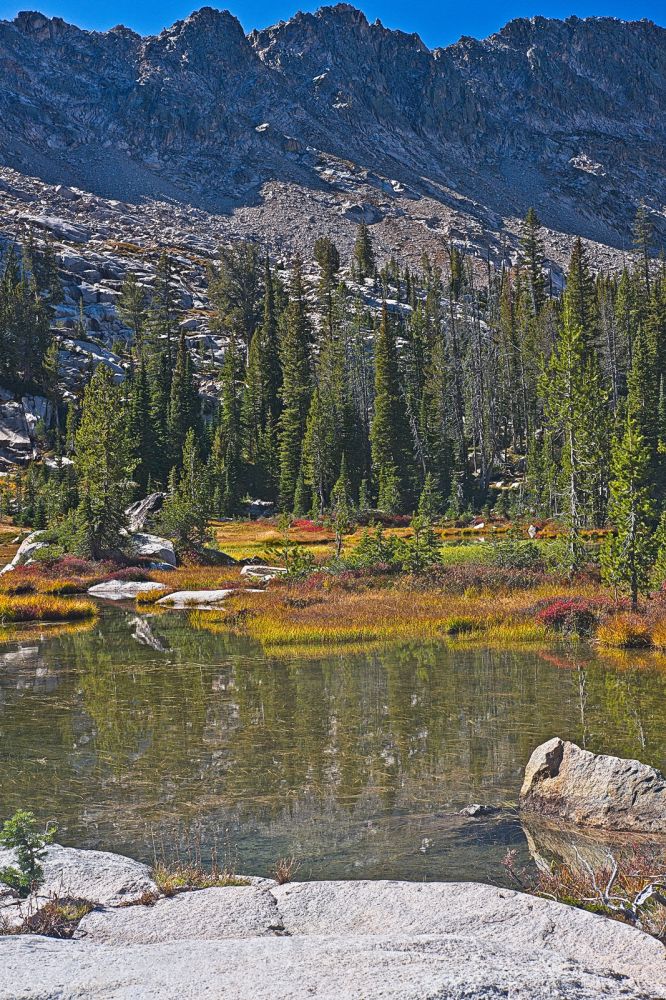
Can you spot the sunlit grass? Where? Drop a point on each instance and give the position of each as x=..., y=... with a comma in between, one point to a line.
x=294, y=616
x=624, y=631
x=38, y=607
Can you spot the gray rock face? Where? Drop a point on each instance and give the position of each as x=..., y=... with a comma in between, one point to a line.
x=344, y=940
x=153, y=547
x=122, y=590
x=282, y=131
x=18, y=422
x=593, y=789
x=140, y=512
x=98, y=876
x=25, y=551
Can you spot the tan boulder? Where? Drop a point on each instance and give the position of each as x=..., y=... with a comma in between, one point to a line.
x=596, y=790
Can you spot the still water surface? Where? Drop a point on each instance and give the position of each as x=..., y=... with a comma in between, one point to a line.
x=144, y=733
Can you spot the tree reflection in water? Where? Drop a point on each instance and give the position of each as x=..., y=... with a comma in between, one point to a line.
x=356, y=763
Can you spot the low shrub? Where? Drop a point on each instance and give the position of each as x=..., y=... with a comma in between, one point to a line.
x=61, y=587
x=624, y=631
x=569, y=615
x=461, y=625
x=285, y=869
x=516, y=554
x=630, y=888
x=132, y=574
x=58, y=918
x=658, y=634
x=305, y=524
x=458, y=579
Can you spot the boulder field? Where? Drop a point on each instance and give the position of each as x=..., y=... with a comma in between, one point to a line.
x=356, y=939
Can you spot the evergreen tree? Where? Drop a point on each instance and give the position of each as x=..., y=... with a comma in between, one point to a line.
x=533, y=253
x=185, y=512
x=581, y=296
x=430, y=501
x=162, y=312
x=628, y=556
x=235, y=292
x=183, y=402
x=104, y=465
x=576, y=410
x=296, y=387
x=227, y=466
x=389, y=431
x=132, y=308
x=642, y=241
x=141, y=427
x=364, y=256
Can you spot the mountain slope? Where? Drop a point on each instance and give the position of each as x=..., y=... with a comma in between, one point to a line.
x=323, y=120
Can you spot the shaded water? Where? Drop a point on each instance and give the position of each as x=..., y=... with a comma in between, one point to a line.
x=133, y=732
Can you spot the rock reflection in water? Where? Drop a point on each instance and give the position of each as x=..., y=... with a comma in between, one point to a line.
x=350, y=762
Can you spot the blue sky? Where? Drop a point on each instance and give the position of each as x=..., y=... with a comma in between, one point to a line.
x=435, y=22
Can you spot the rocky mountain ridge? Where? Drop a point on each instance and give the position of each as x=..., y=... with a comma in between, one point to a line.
x=323, y=120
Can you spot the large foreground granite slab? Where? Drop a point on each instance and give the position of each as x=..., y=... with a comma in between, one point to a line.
x=399, y=967
x=338, y=940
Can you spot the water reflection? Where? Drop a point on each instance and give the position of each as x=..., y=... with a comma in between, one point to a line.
x=142, y=727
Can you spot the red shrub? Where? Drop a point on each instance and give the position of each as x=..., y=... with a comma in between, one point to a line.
x=305, y=524
x=569, y=615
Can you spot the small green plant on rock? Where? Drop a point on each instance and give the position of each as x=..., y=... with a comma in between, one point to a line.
x=20, y=832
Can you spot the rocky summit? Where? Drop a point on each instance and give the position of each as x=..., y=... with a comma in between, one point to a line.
x=203, y=133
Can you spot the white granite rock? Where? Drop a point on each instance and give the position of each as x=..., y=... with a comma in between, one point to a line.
x=153, y=547
x=122, y=590
x=386, y=967
x=204, y=915
x=98, y=876
x=194, y=598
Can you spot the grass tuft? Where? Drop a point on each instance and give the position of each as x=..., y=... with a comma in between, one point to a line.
x=38, y=607
x=624, y=631
x=185, y=876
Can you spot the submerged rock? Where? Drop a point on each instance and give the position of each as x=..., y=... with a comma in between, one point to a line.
x=593, y=790
x=476, y=809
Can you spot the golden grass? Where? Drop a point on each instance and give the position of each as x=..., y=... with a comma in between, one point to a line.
x=25, y=630
x=245, y=539
x=150, y=596
x=291, y=616
x=186, y=876
x=658, y=634
x=38, y=607
x=624, y=631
